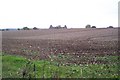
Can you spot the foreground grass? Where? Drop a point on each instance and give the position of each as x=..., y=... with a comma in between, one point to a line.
x=13, y=66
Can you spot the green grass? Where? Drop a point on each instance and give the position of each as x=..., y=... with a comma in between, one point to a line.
x=0, y=64
x=12, y=67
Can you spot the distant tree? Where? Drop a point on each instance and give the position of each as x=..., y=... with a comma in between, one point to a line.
x=50, y=27
x=35, y=28
x=3, y=29
x=58, y=27
x=7, y=29
x=88, y=26
x=18, y=29
x=93, y=27
x=110, y=27
x=26, y=28
x=65, y=27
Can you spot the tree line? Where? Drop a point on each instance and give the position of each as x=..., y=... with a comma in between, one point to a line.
x=26, y=28
x=52, y=27
x=89, y=26
x=58, y=27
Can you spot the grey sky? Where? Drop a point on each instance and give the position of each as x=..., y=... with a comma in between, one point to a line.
x=73, y=13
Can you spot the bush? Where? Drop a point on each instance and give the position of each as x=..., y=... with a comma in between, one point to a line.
x=110, y=27
x=18, y=29
x=93, y=26
x=7, y=29
x=88, y=26
x=35, y=28
x=3, y=29
x=26, y=28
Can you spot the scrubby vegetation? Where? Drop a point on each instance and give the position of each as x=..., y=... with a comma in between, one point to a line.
x=19, y=67
x=88, y=26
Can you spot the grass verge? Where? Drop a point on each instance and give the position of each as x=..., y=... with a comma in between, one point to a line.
x=14, y=66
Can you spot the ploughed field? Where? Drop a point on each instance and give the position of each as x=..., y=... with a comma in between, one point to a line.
x=76, y=46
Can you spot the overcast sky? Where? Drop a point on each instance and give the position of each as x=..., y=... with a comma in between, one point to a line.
x=73, y=13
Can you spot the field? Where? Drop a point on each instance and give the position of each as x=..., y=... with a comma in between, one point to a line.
x=60, y=53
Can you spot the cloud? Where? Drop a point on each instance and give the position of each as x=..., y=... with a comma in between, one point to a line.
x=42, y=13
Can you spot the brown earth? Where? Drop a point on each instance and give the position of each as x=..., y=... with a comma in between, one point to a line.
x=79, y=45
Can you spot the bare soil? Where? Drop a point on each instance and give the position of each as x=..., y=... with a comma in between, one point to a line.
x=83, y=44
